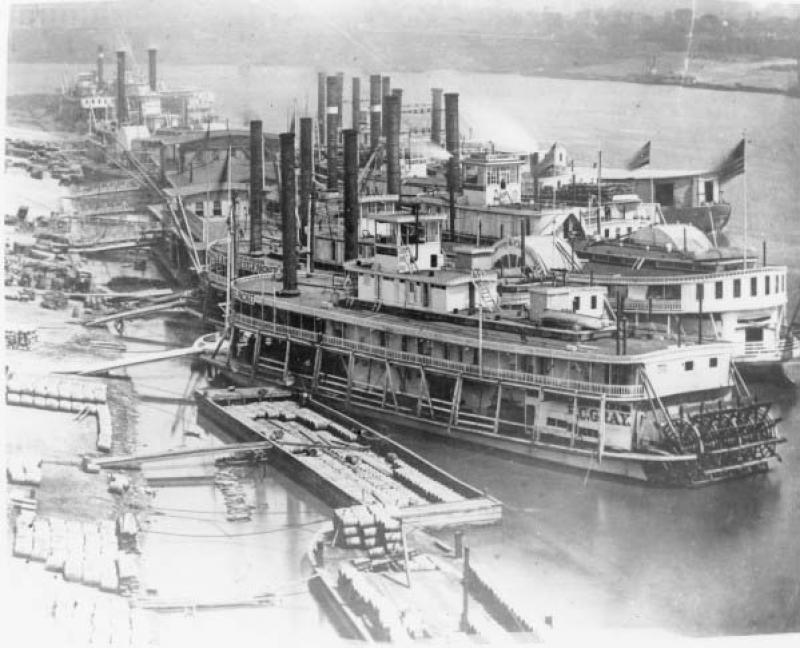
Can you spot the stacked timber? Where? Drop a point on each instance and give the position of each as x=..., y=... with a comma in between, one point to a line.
x=54, y=392
x=104, y=428
x=381, y=616
x=24, y=471
x=238, y=508
x=374, y=529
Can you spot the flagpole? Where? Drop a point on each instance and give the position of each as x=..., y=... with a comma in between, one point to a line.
x=599, y=192
x=744, y=178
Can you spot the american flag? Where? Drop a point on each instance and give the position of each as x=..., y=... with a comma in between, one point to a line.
x=733, y=164
x=642, y=158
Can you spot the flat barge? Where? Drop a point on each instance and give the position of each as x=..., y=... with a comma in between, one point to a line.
x=343, y=462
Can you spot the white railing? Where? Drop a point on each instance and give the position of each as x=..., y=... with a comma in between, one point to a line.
x=670, y=279
x=657, y=305
x=788, y=347
x=537, y=380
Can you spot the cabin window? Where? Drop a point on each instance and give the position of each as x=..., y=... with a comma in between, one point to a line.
x=708, y=190
x=576, y=304
x=753, y=286
x=777, y=284
x=217, y=208
x=712, y=362
x=605, y=233
x=754, y=334
x=737, y=287
x=766, y=284
x=198, y=208
x=699, y=292
x=434, y=260
x=718, y=290
x=688, y=365
x=593, y=302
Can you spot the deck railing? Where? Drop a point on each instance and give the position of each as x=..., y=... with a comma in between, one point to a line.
x=536, y=380
x=656, y=305
x=672, y=279
x=785, y=348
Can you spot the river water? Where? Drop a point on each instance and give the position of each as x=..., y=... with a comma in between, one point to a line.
x=598, y=553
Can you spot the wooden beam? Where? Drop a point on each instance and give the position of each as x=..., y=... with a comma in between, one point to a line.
x=317, y=366
x=286, y=361
x=456, y=401
x=497, y=407
x=256, y=352
x=350, y=370
x=390, y=383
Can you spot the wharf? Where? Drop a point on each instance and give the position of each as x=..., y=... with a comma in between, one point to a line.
x=343, y=462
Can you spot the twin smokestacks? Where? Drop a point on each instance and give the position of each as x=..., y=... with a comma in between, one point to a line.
x=122, y=97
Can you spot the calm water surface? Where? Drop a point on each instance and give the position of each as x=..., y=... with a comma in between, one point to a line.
x=717, y=560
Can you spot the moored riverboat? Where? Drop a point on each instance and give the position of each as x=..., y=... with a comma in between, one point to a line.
x=403, y=340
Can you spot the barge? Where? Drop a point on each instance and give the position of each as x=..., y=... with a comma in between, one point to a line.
x=343, y=462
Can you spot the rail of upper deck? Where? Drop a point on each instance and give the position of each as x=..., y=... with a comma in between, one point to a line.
x=670, y=279
x=261, y=292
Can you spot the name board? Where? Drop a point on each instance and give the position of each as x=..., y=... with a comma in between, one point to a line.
x=592, y=414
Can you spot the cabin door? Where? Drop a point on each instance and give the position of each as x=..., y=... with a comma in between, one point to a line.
x=665, y=194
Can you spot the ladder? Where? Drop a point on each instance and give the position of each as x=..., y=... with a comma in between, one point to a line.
x=480, y=281
x=669, y=430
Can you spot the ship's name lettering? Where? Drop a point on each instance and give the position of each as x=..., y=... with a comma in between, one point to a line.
x=592, y=414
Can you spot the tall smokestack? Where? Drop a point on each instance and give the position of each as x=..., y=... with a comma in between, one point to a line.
x=356, y=103
x=152, y=53
x=306, y=170
x=100, y=60
x=375, y=90
x=122, y=100
x=351, y=206
x=256, y=183
x=386, y=88
x=454, y=164
x=393, y=110
x=340, y=98
x=332, y=130
x=321, y=103
x=288, y=222
x=436, y=116
x=452, y=138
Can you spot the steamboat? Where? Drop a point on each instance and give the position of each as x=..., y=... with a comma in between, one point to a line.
x=404, y=340
x=673, y=278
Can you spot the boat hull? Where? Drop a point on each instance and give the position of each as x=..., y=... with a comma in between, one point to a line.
x=710, y=218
